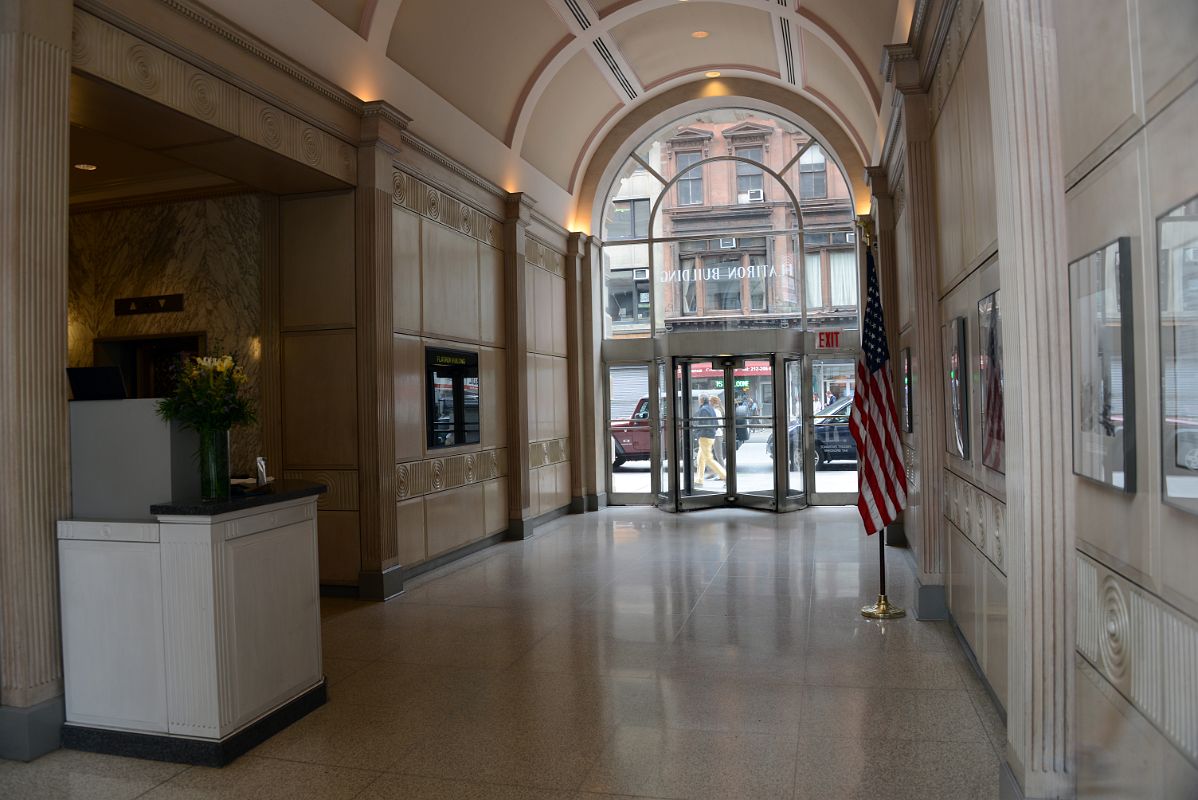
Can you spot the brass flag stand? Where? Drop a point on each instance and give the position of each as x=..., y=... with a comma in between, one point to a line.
x=882, y=609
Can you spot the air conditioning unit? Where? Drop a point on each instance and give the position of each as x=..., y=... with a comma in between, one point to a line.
x=850, y=237
x=756, y=195
x=728, y=243
x=640, y=274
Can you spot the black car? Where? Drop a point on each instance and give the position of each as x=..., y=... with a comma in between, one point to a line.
x=833, y=440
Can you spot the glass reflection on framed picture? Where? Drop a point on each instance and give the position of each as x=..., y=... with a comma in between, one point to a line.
x=908, y=413
x=956, y=388
x=1100, y=313
x=1177, y=245
x=994, y=432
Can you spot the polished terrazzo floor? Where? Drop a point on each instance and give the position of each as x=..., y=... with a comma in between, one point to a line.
x=628, y=653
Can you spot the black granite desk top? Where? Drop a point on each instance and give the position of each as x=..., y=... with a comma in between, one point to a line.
x=273, y=492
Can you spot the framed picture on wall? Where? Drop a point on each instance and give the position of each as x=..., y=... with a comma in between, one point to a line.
x=994, y=431
x=1177, y=247
x=957, y=388
x=908, y=418
x=1104, y=419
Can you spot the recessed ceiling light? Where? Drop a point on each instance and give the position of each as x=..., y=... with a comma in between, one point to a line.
x=700, y=34
x=86, y=167
x=712, y=74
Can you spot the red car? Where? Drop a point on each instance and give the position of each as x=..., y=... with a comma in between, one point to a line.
x=630, y=437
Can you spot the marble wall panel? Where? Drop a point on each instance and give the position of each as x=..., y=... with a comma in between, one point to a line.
x=210, y=251
x=319, y=400
x=316, y=261
x=405, y=254
x=495, y=505
x=452, y=518
x=491, y=296
x=492, y=372
x=450, y=281
x=339, y=545
x=1098, y=93
x=409, y=519
x=409, y=398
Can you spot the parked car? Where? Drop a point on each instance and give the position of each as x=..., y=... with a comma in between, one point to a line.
x=630, y=437
x=833, y=440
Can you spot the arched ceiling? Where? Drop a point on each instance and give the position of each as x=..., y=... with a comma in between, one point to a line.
x=523, y=90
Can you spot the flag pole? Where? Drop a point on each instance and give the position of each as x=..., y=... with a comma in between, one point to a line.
x=882, y=609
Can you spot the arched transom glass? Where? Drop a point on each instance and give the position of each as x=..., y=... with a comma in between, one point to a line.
x=700, y=230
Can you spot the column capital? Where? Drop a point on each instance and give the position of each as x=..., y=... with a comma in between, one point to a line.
x=900, y=65
x=518, y=208
x=382, y=124
x=576, y=243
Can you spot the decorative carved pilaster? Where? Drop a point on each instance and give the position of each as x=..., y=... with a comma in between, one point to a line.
x=515, y=244
x=270, y=338
x=375, y=368
x=34, y=460
x=1025, y=112
x=595, y=449
x=576, y=340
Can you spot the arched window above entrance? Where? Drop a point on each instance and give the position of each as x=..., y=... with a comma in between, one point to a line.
x=726, y=218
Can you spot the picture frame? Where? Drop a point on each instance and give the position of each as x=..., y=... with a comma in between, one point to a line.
x=1101, y=313
x=956, y=394
x=1177, y=321
x=992, y=384
x=908, y=406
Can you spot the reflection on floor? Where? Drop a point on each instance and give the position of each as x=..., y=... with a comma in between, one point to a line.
x=754, y=473
x=716, y=654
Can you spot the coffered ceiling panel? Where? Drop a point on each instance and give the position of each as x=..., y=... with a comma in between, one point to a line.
x=863, y=25
x=835, y=83
x=604, y=7
x=573, y=105
x=477, y=55
x=659, y=44
x=348, y=12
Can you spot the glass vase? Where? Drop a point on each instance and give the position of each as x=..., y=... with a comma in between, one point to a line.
x=214, y=465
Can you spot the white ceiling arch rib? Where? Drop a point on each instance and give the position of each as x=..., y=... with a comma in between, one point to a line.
x=496, y=100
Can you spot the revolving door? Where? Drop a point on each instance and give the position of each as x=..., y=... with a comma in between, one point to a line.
x=731, y=432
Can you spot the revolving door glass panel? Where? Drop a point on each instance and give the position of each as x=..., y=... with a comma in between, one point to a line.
x=701, y=443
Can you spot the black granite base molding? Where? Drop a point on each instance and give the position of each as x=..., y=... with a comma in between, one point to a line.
x=520, y=529
x=197, y=752
x=454, y=555
x=381, y=585
x=29, y=733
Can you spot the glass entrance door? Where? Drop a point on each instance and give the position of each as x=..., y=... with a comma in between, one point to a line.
x=723, y=413
x=831, y=468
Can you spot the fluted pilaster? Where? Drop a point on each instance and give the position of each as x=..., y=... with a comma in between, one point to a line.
x=376, y=365
x=34, y=458
x=576, y=338
x=1021, y=45
x=928, y=393
x=515, y=243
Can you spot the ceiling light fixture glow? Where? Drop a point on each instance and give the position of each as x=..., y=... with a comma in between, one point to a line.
x=700, y=34
x=86, y=167
x=712, y=74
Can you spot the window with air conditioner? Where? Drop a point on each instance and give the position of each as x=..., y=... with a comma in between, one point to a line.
x=728, y=243
x=750, y=180
x=755, y=195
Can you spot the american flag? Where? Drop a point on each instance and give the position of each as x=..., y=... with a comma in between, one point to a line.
x=874, y=422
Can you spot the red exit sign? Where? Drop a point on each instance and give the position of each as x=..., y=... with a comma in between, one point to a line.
x=829, y=340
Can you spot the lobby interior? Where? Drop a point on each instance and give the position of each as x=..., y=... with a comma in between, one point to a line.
x=482, y=263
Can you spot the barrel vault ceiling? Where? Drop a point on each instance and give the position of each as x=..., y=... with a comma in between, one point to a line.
x=540, y=82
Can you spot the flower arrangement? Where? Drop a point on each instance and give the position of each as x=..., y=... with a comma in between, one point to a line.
x=208, y=395
x=208, y=399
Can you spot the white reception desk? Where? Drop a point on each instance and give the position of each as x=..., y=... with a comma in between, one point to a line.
x=193, y=633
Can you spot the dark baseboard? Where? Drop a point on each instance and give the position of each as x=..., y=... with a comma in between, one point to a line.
x=520, y=529
x=1008, y=784
x=380, y=585
x=600, y=500
x=930, y=601
x=896, y=535
x=977, y=670
x=193, y=751
x=338, y=590
x=578, y=505
x=29, y=733
x=454, y=555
